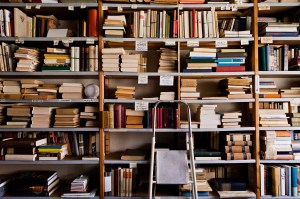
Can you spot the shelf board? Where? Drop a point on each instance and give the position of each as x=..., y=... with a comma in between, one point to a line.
x=217, y=74
x=50, y=5
x=187, y=101
x=126, y=162
x=284, y=4
x=225, y=161
x=79, y=129
x=173, y=39
x=279, y=197
x=279, y=161
x=147, y=130
x=13, y=39
x=216, y=5
x=53, y=162
x=140, y=6
x=125, y=74
x=51, y=101
x=279, y=73
x=161, y=197
x=49, y=74
x=278, y=99
x=279, y=128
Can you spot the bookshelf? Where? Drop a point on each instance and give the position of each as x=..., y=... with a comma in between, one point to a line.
x=72, y=166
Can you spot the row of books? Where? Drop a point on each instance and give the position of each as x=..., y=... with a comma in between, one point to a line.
x=172, y=1
x=48, y=146
x=23, y=116
x=216, y=60
x=278, y=58
x=118, y=116
x=279, y=29
x=47, y=1
x=268, y=89
x=14, y=58
x=37, y=89
x=16, y=23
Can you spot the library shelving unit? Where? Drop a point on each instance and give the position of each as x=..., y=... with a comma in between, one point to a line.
x=70, y=167
x=118, y=139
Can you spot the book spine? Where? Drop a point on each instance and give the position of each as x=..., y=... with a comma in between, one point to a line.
x=117, y=116
x=237, y=149
x=111, y=115
x=238, y=156
x=92, y=22
x=294, y=174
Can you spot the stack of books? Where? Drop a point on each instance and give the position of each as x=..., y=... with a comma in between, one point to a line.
x=131, y=62
x=21, y=148
x=48, y=91
x=276, y=145
x=11, y=89
x=80, y=188
x=167, y=95
x=29, y=88
x=35, y=183
x=231, y=60
x=293, y=92
x=201, y=60
x=168, y=60
x=231, y=120
x=111, y=59
x=20, y=116
x=237, y=152
x=185, y=124
x=203, y=187
x=89, y=116
x=236, y=33
x=29, y=59
x=41, y=117
x=235, y=88
x=207, y=154
x=273, y=117
x=189, y=89
x=296, y=146
x=52, y=151
x=71, y=90
x=125, y=92
x=268, y=89
x=207, y=116
x=114, y=26
x=66, y=117
x=294, y=119
x=57, y=59
x=134, y=119
x=278, y=29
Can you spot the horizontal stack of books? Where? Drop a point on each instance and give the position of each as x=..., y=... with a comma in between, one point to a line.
x=114, y=26
x=237, y=152
x=125, y=92
x=66, y=117
x=279, y=29
x=231, y=60
x=133, y=63
x=189, y=89
x=41, y=117
x=207, y=116
x=71, y=90
x=52, y=151
x=276, y=145
x=168, y=60
x=207, y=154
x=29, y=59
x=201, y=60
x=134, y=119
x=89, y=117
x=23, y=149
x=19, y=116
x=167, y=95
x=111, y=59
x=57, y=59
x=273, y=117
x=231, y=120
x=11, y=89
x=235, y=88
x=268, y=89
x=34, y=183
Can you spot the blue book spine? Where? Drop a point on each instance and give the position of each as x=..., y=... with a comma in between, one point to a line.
x=229, y=64
x=230, y=60
x=294, y=181
x=189, y=193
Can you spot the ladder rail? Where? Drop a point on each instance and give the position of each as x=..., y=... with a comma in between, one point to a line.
x=191, y=148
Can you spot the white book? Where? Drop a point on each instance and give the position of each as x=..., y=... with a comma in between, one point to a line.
x=2, y=24
x=76, y=58
x=141, y=24
x=96, y=58
x=186, y=24
x=148, y=23
x=7, y=19
x=210, y=24
x=72, y=58
x=200, y=30
x=205, y=25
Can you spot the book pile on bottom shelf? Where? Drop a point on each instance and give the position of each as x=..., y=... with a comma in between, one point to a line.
x=80, y=188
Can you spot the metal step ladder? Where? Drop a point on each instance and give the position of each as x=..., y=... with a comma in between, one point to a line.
x=178, y=173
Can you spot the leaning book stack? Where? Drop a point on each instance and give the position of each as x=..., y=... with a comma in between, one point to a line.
x=80, y=188
x=237, y=152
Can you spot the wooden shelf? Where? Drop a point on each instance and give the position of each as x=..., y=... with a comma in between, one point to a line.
x=148, y=130
x=79, y=129
x=51, y=75
x=51, y=101
x=50, y=5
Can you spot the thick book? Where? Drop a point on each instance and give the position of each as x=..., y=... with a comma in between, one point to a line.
x=92, y=22
x=206, y=153
x=230, y=184
x=238, y=156
x=134, y=154
x=23, y=142
x=237, y=149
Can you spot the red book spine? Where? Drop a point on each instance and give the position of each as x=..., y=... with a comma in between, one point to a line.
x=175, y=24
x=160, y=117
x=118, y=115
x=165, y=117
x=93, y=22
x=157, y=118
x=123, y=112
x=194, y=21
x=152, y=118
x=230, y=69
